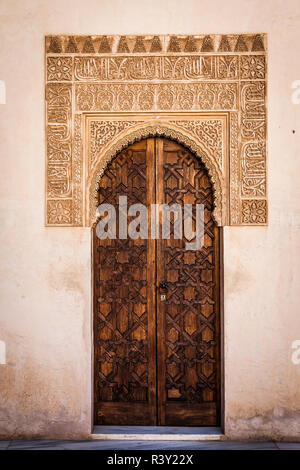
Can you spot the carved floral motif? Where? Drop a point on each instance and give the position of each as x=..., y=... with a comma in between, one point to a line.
x=59, y=68
x=253, y=66
x=254, y=211
x=59, y=212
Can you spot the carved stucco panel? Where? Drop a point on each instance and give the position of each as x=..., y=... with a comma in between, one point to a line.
x=141, y=75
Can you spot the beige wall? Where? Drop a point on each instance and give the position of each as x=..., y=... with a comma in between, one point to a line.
x=45, y=317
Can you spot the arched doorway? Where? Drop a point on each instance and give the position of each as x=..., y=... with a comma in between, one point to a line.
x=156, y=303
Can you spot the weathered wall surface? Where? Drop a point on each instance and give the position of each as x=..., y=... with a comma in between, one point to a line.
x=45, y=315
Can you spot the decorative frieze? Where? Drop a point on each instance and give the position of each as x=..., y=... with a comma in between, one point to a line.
x=175, y=68
x=156, y=97
x=192, y=79
x=132, y=68
x=226, y=43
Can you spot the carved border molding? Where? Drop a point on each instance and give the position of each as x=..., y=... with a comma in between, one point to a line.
x=208, y=92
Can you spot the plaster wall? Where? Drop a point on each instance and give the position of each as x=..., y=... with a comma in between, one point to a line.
x=45, y=273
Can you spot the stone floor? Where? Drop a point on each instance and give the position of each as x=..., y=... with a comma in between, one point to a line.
x=145, y=445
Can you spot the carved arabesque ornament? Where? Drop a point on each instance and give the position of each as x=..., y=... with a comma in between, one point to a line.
x=165, y=129
x=208, y=92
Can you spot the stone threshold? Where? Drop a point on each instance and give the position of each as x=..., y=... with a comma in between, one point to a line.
x=157, y=433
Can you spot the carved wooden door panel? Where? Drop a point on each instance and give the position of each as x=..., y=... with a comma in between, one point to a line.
x=124, y=301
x=156, y=361
x=188, y=320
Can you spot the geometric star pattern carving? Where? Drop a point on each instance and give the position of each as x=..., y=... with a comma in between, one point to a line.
x=121, y=321
x=191, y=308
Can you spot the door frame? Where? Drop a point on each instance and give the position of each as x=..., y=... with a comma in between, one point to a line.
x=221, y=328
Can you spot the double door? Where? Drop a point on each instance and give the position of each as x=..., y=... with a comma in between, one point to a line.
x=156, y=303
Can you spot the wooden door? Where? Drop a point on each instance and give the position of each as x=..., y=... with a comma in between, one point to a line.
x=156, y=304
